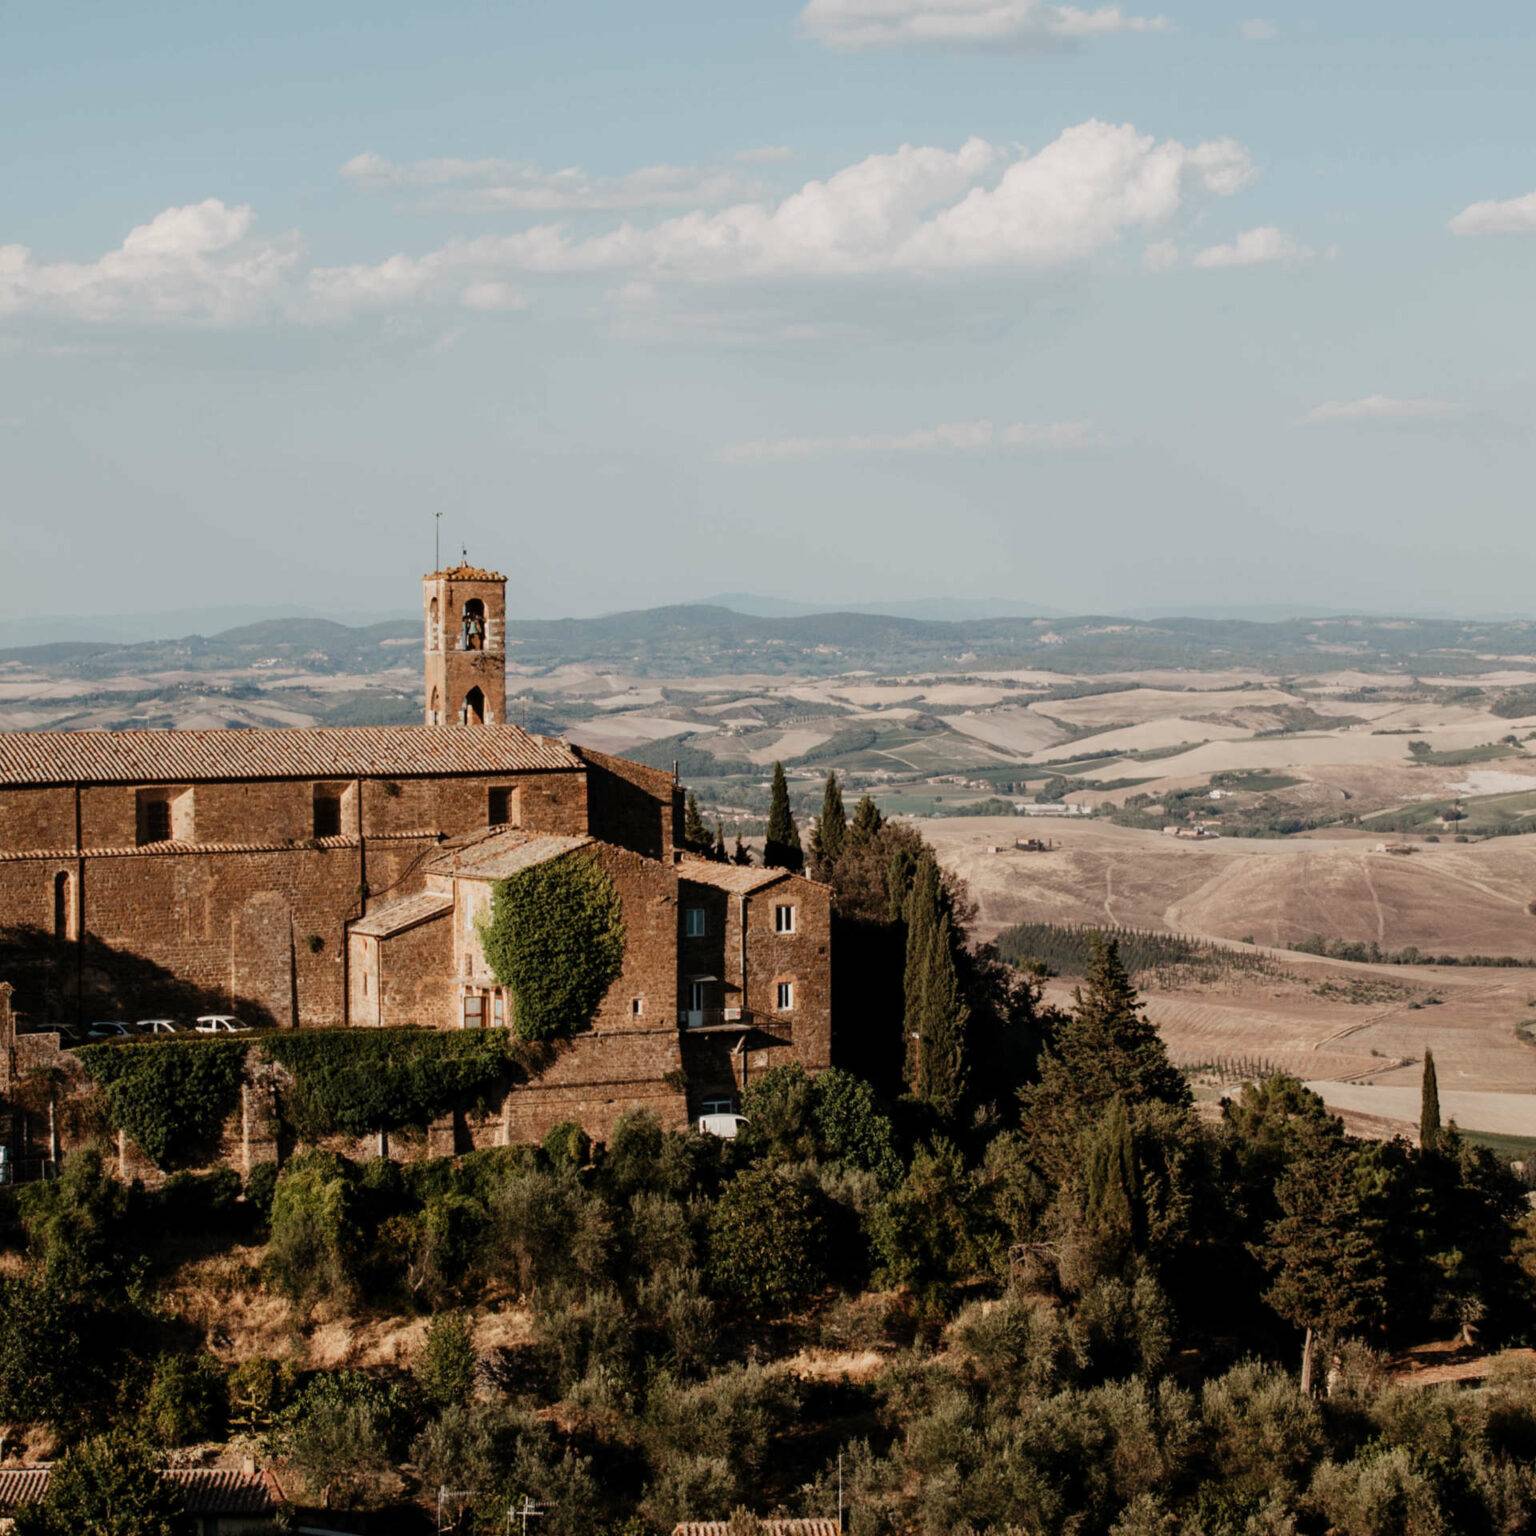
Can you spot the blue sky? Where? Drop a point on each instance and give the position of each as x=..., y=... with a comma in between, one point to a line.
x=1102, y=307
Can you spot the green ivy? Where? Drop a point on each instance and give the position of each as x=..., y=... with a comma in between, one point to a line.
x=555, y=939
x=171, y=1096
x=357, y=1081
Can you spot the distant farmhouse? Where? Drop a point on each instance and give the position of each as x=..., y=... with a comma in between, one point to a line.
x=335, y=877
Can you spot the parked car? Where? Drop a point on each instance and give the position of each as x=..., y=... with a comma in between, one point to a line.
x=157, y=1027
x=108, y=1029
x=220, y=1024
x=725, y=1126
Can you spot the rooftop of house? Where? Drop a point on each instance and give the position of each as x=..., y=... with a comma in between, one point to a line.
x=285, y=752
x=496, y=855
x=396, y=916
x=204, y=1490
x=738, y=878
x=815, y=1525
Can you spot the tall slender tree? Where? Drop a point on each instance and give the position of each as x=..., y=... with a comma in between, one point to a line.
x=1429, y=1106
x=696, y=838
x=866, y=823
x=935, y=1016
x=830, y=834
x=743, y=854
x=781, y=846
x=717, y=848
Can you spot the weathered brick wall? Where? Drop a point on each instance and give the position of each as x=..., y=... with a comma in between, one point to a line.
x=630, y=804
x=415, y=976
x=37, y=818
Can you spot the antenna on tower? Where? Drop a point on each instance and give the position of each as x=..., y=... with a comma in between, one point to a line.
x=437, y=541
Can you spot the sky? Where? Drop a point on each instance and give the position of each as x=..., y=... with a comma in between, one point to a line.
x=1168, y=302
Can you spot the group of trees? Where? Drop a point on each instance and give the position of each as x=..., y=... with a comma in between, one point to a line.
x=1019, y=1283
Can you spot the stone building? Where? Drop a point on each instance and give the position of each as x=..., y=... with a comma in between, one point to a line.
x=335, y=876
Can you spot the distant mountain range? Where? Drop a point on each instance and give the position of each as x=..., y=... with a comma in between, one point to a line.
x=710, y=639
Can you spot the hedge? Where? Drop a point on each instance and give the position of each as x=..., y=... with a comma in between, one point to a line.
x=555, y=939
x=357, y=1081
x=171, y=1096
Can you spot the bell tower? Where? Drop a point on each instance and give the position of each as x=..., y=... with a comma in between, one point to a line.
x=466, y=614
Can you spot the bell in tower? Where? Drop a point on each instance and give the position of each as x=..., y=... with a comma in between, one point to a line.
x=466, y=663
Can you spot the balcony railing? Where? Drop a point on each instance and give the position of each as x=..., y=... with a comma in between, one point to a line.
x=710, y=1018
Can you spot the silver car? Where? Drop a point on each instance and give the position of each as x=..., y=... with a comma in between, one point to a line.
x=220, y=1024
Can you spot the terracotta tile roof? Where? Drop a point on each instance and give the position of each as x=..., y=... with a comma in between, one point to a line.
x=21, y=1485
x=816, y=1525
x=502, y=854
x=204, y=1490
x=319, y=752
x=224, y=1490
x=397, y=916
x=740, y=878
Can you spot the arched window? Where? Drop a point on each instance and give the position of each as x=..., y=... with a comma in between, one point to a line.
x=61, y=905
x=474, y=707
x=472, y=630
x=435, y=709
x=434, y=635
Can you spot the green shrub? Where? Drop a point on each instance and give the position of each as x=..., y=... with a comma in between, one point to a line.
x=79, y=1227
x=171, y=1096
x=186, y=1401
x=444, y=1371
x=109, y=1486
x=358, y=1081
x=555, y=939
x=768, y=1240
x=341, y=1435
x=260, y=1186
x=568, y=1146
x=316, y=1240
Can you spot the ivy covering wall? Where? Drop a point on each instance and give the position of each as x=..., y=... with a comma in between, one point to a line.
x=171, y=1096
x=555, y=940
x=358, y=1081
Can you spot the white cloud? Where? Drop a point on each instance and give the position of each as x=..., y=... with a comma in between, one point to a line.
x=1257, y=30
x=520, y=187
x=963, y=23
x=951, y=437
x=1381, y=408
x=1254, y=248
x=916, y=210
x=1516, y=216
x=198, y=262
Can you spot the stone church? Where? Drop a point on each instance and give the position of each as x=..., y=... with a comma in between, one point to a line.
x=334, y=877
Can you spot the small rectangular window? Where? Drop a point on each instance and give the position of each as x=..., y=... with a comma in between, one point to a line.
x=696, y=923
x=154, y=819
x=783, y=919
x=327, y=814
x=784, y=994
x=718, y=1107
x=636, y=1006
x=474, y=1011
x=499, y=1010
x=498, y=810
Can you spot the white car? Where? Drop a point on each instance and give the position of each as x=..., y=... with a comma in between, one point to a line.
x=108, y=1029
x=219, y=1024
x=157, y=1027
x=725, y=1126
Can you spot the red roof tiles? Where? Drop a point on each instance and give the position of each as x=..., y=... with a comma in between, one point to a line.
x=343, y=752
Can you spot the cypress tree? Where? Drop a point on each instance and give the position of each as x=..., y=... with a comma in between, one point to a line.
x=717, y=849
x=830, y=835
x=781, y=846
x=1429, y=1106
x=743, y=854
x=866, y=823
x=935, y=1015
x=696, y=838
